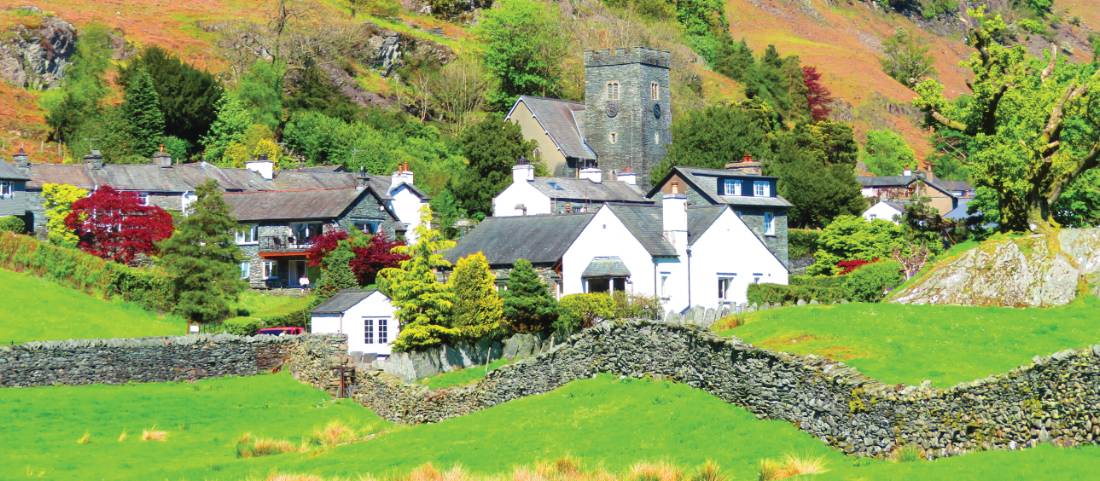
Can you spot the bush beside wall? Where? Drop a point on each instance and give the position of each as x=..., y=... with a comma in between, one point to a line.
x=85, y=272
x=868, y=283
x=11, y=223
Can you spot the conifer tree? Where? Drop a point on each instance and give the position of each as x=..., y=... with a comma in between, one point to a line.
x=528, y=304
x=230, y=127
x=336, y=273
x=57, y=200
x=202, y=259
x=141, y=109
x=423, y=303
x=478, y=311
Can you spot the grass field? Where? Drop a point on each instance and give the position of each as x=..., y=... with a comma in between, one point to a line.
x=35, y=309
x=71, y=433
x=462, y=376
x=907, y=344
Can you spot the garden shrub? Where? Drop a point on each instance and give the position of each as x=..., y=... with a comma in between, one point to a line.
x=11, y=223
x=631, y=306
x=85, y=272
x=578, y=311
x=802, y=243
x=823, y=289
x=871, y=282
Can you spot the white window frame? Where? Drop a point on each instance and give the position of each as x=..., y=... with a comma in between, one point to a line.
x=761, y=188
x=756, y=276
x=663, y=286
x=270, y=268
x=736, y=183
x=769, y=223
x=613, y=90
x=657, y=137
x=725, y=285
x=654, y=91
x=246, y=270
x=368, y=330
x=383, y=335
x=7, y=189
x=248, y=235
x=370, y=227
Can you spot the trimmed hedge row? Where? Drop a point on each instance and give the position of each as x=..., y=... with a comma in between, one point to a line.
x=868, y=283
x=11, y=223
x=85, y=272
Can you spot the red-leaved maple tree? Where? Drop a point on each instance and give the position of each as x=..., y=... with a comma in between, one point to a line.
x=817, y=95
x=369, y=259
x=115, y=226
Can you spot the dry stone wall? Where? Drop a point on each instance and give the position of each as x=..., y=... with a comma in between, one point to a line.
x=154, y=359
x=1055, y=399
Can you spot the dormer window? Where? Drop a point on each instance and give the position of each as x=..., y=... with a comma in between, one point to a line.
x=613, y=90
x=654, y=91
x=761, y=188
x=731, y=187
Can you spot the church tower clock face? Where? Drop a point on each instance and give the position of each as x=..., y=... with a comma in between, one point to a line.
x=612, y=109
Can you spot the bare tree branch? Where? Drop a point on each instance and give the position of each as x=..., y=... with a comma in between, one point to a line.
x=952, y=124
x=1050, y=66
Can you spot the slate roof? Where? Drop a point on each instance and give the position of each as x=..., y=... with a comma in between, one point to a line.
x=541, y=239
x=644, y=223
x=956, y=185
x=960, y=213
x=606, y=267
x=302, y=179
x=72, y=174
x=948, y=187
x=705, y=182
x=320, y=204
x=11, y=172
x=145, y=177
x=584, y=189
x=340, y=302
x=563, y=121
x=701, y=218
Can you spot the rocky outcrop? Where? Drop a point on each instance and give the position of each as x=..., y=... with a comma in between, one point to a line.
x=35, y=52
x=386, y=50
x=1033, y=271
x=411, y=366
x=1056, y=399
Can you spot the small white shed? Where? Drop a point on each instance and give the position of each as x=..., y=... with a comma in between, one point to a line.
x=886, y=210
x=364, y=315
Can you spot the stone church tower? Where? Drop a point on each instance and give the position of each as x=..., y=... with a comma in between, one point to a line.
x=627, y=114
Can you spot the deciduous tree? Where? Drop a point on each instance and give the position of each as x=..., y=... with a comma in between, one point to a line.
x=907, y=59
x=523, y=49
x=115, y=226
x=57, y=200
x=230, y=126
x=203, y=260
x=818, y=96
x=887, y=153
x=378, y=254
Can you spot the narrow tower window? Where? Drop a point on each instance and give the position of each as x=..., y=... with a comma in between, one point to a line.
x=613, y=137
x=613, y=90
x=654, y=91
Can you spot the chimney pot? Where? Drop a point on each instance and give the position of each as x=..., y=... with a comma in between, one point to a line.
x=592, y=174
x=20, y=158
x=262, y=166
x=94, y=160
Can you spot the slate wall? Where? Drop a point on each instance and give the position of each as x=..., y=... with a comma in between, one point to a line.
x=1055, y=399
x=153, y=359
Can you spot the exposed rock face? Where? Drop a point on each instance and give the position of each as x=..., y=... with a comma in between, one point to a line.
x=36, y=52
x=387, y=50
x=1035, y=271
x=410, y=366
x=1055, y=399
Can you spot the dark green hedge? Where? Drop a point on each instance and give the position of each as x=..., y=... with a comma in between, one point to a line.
x=865, y=284
x=802, y=242
x=11, y=223
x=85, y=272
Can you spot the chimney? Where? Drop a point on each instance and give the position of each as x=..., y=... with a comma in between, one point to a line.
x=402, y=176
x=262, y=166
x=674, y=218
x=21, y=159
x=747, y=165
x=361, y=178
x=906, y=172
x=593, y=174
x=523, y=171
x=94, y=160
x=627, y=176
x=162, y=158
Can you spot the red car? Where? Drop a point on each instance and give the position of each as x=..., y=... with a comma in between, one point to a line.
x=281, y=331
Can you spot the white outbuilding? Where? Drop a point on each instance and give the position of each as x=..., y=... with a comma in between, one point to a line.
x=888, y=210
x=366, y=316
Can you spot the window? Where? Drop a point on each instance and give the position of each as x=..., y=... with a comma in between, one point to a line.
x=304, y=232
x=271, y=270
x=663, y=286
x=247, y=234
x=613, y=137
x=368, y=331
x=383, y=328
x=731, y=187
x=143, y=198
x=246, y=270
x=613, y=90
x=756, y=276
x=606, y=284
x=368, y=227
x=6, y=189
x=761, y=188
x=657, y=138
x=654, y=91
x=769, y=223
x=725, y=284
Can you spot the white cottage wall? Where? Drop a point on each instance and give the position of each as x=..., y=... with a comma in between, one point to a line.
x=377, y=307
x=520, y=193
x=406, y=205
x=730, y=248
x=606, y=236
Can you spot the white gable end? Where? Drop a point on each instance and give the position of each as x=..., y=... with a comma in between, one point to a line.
x=728, y=252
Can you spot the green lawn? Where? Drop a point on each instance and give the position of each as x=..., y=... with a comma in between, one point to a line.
x=462, y=376
x=604, y=422
x=907, y=344
x=260, y=305
x=35, y=309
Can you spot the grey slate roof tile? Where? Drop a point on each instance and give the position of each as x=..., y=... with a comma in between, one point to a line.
x=343, y=300
x=606, y=267
x=644, y=223
x=706, y=183
x=541, y=239
x=584, y=189
x=319, y=204
x=563, y=121
x=11, y=172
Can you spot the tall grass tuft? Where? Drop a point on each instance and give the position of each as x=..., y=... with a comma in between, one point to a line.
x=426, y=472
x=907, y=454
x=334, y=433
x=249, y=447
x=153, y=434
x=771, y=470
x=85, y=439
x=122, y=436
x=709, y=471
x=654, y=472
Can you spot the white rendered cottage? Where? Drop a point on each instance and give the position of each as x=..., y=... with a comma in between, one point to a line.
x=366, y=316
x=530, y=195
x=700, y=256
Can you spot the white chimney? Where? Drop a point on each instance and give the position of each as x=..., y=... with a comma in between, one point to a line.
x=402, y=176
x=523, y=171
x=262, y=166
x=674, y=218
x=593, y=174
x=627, y=176
x=906, y=172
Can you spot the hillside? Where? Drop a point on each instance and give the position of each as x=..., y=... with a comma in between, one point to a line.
x=842, y=39
x=37, y=310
